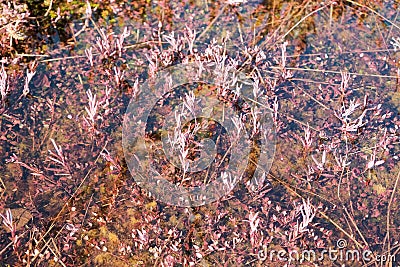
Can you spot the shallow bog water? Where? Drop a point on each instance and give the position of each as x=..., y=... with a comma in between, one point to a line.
x=339, y=58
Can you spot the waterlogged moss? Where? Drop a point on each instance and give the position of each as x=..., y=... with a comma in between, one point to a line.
x=151, y=206
x=395, y=99
x=113, y=239
x=79, y=242
x=107, y=259
x=379, y=189
x=133, y=219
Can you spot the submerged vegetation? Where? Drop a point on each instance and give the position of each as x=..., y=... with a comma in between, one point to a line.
x=328, y=72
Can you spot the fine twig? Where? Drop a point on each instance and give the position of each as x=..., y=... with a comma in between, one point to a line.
x=212, y=22
x=387, y=237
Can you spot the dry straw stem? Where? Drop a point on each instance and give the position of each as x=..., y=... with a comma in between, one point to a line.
x=356, y=227
x=285, y=21
x=338, y=72
x=325, y=216
x=343, y=53
x=137, y=45
x=281, y=114
x=132, y=46
x=4, y=187
x=213, y=21
x=351, y=219
x=373, y=11
x=313, y=98
x=387, y=237
x=303, y=190
x=66, y=203
x=302, y=19
x=388, y=263
x=294, y=191
x=49, y=8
